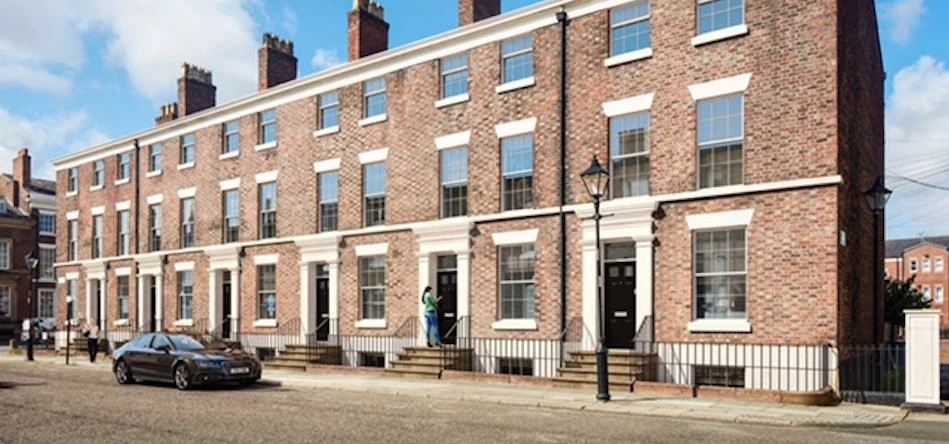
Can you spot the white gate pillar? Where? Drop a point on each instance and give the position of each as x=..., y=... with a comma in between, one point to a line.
x=922, y=361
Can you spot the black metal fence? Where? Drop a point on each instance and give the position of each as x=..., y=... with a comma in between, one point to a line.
x=873, y=374
x=42, y=338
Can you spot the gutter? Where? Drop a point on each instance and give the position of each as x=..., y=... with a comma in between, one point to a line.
x=138, y=209
x=564, y=22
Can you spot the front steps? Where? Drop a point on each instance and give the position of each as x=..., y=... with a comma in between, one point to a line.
x=624, y=369
x=428, y=362
x=297, y=357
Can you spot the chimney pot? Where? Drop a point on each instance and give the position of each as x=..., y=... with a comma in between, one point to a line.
x=167, y=113
x=368, y=29
x=470, y=11
x=276, y=63
x=196, y=92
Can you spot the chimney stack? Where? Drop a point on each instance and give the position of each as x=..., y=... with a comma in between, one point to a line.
x=368, y=29
x=169, y=112
x=21, y=175
x=470, y=11
x=196, y=92
x=276, y=63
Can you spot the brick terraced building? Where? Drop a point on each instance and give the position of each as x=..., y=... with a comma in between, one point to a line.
x=740, y=136
x=924, y=258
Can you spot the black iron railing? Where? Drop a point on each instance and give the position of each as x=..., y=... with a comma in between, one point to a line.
x=873, y=374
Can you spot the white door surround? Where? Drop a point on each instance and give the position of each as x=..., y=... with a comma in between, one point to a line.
x=448, y=236
x=150, y=266
x=220, y=259
x=95, y=285
x=316, y=250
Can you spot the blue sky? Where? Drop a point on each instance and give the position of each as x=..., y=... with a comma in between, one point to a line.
x=75, y=73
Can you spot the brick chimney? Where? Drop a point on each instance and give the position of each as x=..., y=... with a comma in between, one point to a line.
x=168, y=113
x=276, y=63
x=196, y=92
x=470, y=11
x=21, y=175
x=368, y=29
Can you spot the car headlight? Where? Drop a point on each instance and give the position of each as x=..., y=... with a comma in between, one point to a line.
x=208, y=364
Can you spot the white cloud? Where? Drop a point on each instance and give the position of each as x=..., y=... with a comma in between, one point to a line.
x=35, y=79
x=46, y=137
x=903, y=16
x=917, y=141
x=325, y=58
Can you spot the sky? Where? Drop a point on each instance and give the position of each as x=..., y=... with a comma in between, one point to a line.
x=77, y=73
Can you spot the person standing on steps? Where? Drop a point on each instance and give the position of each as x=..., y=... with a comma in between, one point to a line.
x=431, y=317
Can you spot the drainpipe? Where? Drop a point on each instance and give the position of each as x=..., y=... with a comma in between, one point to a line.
x=564, y=21
x=138, y=208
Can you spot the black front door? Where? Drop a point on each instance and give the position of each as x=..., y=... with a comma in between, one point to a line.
x=226, y=305
x=620, y=304
x=447, y=292
x=322, y=308
x=151, y=304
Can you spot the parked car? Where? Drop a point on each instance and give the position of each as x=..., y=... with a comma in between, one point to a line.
x=183, y=359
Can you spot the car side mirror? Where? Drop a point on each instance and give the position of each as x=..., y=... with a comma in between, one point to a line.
x=163, y=348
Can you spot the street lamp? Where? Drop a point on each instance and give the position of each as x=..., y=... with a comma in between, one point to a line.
x=31, y=261
x=596, y=179
x=877, y=196
x=69, y=302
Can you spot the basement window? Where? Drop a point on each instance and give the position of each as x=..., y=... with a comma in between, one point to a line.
x=265, y=354
x=719, y=376
x=516, y=366
x=372, y=359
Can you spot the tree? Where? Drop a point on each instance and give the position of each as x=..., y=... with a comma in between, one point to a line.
x=902, y=295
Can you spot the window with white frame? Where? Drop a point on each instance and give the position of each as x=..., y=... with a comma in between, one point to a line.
x=98, y=230
x=517, y=282
x=927, y=293
x=913, y=266
x=454, y=75
x=374, y=192
x=454, y=172
x=372, y=287
x=46, y=303
x=154, y=157
x=47, y=259
x=721, y=141
x=232, y=216
x=124, y=233
x=267, y=291
x=72, y=292
x=268, y=210
x=517, y=58
x=124, y=166
x=73, y=180
x=187, y=150
x=328, y=104
x=629, y=155
x=629, y=27
x=5, y=302
x=939, y=265
x=517, y=167
x=154, y=227
x=939, y=294
x=122, y=282
x=47, y=224
x=927, y=265
x=720, y=14
x=267, y=130
x=185, y=294
x=73, y=250
x=231, y=137
x=98, y=173
x=187, y=222
x=329, y=201
x=5, y=246
x=374, y=97
x=720, y=274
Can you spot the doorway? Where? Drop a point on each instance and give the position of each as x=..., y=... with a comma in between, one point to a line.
x=226, y=327
x=322, y=302
x=152, y=294
x=620, y=295
x=447, y=292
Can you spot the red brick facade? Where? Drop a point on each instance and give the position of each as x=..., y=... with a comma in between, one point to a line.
x=928, y=261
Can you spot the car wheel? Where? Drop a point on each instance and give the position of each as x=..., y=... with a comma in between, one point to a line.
x=182, y=377
x=123, y=374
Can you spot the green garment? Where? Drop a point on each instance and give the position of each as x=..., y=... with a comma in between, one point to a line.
x=431, y=305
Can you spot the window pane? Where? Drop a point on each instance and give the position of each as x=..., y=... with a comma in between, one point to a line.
x=517, y=164
x=329, y=110
x=375, y=179
x=187, y=223
x=720, y=14
x=376, y=105
x=630, y=27
x=720, y=274
x=372, y=283
x=455, y=76
x=516, y=273
x=518, y=67
x=267, y=292
x=231, y=137
x=268, y=210
x=329, y=196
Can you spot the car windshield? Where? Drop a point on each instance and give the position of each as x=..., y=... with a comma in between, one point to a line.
x=191, y=343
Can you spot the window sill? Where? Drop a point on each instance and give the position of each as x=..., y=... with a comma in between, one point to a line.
x=453, y=100
x=721, y=34
x=517, y=84
x=373, y=120
x=719, y=326
x=628, y=57
x=265, y=323
x=326, y=131
x=375, y=324
x=122, y=181
x=155, y=173
x=184, y=323
x=266, y=146
x=72, y=193
x=229, y=155
x=96, y=188
x=121, y=323
x=46, y=233
x=185, y=166
x=515, y=324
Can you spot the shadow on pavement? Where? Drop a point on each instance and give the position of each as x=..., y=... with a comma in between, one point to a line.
x=10, y=385
x=225, y=387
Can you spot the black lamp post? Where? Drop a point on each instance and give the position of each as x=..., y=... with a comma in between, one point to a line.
x=31, y=262
x=69, y=302
x=876, y=201
x=596, y=180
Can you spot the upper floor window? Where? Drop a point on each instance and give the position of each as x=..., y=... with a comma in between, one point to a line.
x=629, y=155
x=374, y=191
x=187, y=150
x=268, y=210
x=97, y=233
x=721, y=140
x=516, y=281
x=455, y=76
x=125, y=229
x=517, y=58
x=73, y=180
x=629, y=27
x=328, y=110
x=720, y=14
x=517, y=167
x=73, y=250
x=187, y=223
x=98, y=173
x=913, y=266
x=154, y=158
x=5, y=247
x=939, y=265
x=267, y=132
x=47, y=224
x=720, y=274
x=232, y=137
x=232, y=216
x=329, y=200
x=154, y=227
x=374, y=93
x=927, y=265
x=125, y=166
x=454, y=169
x=939, y=294
x=47, y=259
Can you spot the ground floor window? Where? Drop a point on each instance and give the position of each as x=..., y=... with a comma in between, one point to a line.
x=185, y=294
x=516, y=272
x=372, y=285
x=47, y=304
x=720, y=274
x=123, y=306
x=720, y=376
x=266, y=292
x=516, y=366
x=5, y=302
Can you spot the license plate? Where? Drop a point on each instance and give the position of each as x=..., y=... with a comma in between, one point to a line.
x=240, y=370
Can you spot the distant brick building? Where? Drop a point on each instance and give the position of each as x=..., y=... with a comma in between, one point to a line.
x=740, y=142
x=27, y=227
x=927, y=260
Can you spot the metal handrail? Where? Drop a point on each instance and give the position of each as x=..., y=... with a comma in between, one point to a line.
x=411, y=320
